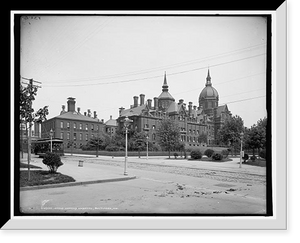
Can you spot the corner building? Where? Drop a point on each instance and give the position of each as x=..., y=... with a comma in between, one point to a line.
x=72, y=125
x=206, y=118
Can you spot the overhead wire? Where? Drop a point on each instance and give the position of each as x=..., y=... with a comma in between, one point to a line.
x=175, y=65
x=156, y=76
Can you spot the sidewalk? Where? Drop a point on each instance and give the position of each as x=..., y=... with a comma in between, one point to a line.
x=87, y=174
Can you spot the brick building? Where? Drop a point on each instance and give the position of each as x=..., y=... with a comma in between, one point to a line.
x=206, y=118
x=72, y=125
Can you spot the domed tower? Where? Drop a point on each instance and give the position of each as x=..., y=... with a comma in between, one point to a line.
x=209, y=97
x=165, y=98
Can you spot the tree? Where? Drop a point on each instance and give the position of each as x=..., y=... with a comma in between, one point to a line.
x=138, y=142
x=203, y=138
x=27, y=114
x=255, y=137
x=70, y=144
x=97, y=143
x=230, y=132
x=168, y=134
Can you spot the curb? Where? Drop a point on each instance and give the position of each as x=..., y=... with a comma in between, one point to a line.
x=27, y=188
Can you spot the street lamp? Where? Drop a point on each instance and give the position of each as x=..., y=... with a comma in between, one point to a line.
x=241, y=153
x=147, y=144
x=127, y=122
x=51, y=134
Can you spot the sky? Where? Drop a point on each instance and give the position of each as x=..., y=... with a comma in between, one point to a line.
x=103, y=61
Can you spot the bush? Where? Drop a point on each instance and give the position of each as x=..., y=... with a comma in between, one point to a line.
x=225, y=153
x=112, y=148
x=52, y=160
x=246, y=157
x=196, y=154
x=175, y=155
x=217, y=156
x=209, y=152
x=262, y=154
x=253, y=158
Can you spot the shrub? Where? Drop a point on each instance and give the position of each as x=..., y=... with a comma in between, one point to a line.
x=225, y=153
x=175, y=155
x=253, y=158
x=196, y=154
x=112, y=148
x=262, y=154
x=217, y=156
x=209, y=152
x=246, y=157
x=52, y=160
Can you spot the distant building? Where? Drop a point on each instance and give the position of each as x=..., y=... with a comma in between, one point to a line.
x=111, y=126
x=73, y=126
x=204, y=119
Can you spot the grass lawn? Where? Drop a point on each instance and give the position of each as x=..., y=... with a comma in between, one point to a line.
x=41, y=177
x=257, y=162
x=24, y=165
x=211, y=160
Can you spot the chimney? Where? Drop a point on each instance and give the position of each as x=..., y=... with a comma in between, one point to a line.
x=155, y=103
x=120, y=110
x=89, y=112
x=135, y=101
x=110, y=117
x=78, y=110
x=71, y=104
x=190, y=107
x=195, y=107
x=102, y=120
x=142, y=99
x=85, y=113
x=95, y=114
x=63, y=107
x=149, y=101
x=180, y=101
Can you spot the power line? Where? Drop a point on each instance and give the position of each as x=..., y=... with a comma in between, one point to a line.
x=236, y=101
x=157, y=76
x=185, y=63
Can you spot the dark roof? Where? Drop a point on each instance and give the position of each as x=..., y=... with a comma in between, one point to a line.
x=220, y=109
x=77, y=116
x=111, y=122
x=166, y=95
x=135, y=111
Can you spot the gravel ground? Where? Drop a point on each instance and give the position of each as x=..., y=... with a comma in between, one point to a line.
x=218, y=175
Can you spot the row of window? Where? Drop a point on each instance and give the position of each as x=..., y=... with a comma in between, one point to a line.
x=81, y=137
x=86, y=126
x=182, y=129
x=190, y=139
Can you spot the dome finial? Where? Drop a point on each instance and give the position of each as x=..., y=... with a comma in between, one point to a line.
x=165, y=86
x=208, y=79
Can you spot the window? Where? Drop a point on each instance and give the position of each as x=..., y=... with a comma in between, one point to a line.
x=92, y=127
x=61, y=124
x=68, y=136
x=68, y=124
x=80, y=126
x=74, y=136
x=61, y=135
x=153, y=127
x=74, y=125
x=92, y=135
x=97, y=128
x=86, y=137
x=153, y=137
x=80, y=136
x=86, y=126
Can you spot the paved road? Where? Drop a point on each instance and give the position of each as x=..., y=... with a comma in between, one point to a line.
x=158, y=189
